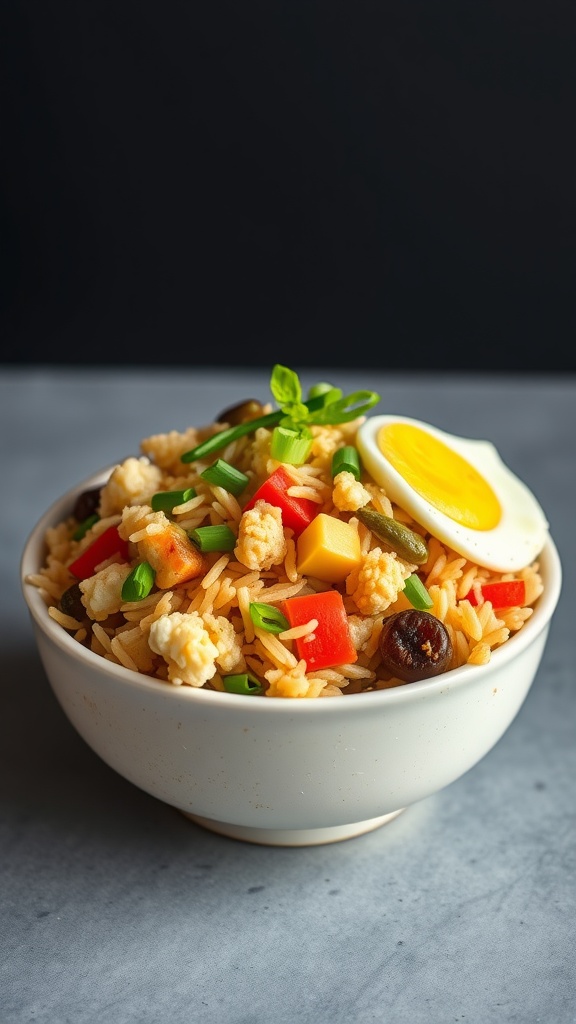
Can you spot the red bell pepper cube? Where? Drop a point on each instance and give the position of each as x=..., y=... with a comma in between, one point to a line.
x=297, y=513
x=330, y=642
x=105, y=546
x=505, y=594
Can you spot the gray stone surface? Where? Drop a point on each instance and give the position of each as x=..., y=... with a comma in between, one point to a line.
x=116, y=909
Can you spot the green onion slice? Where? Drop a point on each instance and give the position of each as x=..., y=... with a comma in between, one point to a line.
x=165, y=501
x=243, y=683
x=213, y=538
x=222, y=474
x=84, y=526
x=346, y=460
x=291, y=445
x=266, y=616
x=139, y=583
x=417, y=594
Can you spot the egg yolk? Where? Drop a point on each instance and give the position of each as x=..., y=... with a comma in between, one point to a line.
x=440, y=476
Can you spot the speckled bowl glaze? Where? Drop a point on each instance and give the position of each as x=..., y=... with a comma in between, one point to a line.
x=278, y=771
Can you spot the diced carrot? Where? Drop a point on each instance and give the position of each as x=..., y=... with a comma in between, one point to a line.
x=330, y=642
x=297, y=513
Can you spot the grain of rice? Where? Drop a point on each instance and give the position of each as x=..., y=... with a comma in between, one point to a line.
x=279, y=654
x=290, y=561
x=122, y=655
x=163, y=607
x=310, y=493
x=496, y=637
x=486, y=617
x=460, y=646
x=43, y=582
x=247, y=580
x=226, y=596
x=67, y=621
x=257, y=665
x=193, y=522
x=468, y=617
x=218, y=514
x=243, y=596
x=148, y=531
x=380, y=501
x=204, y=600
x=227, y=502
x=102, y=637
x=299, y=631
x=480, y=654
x=331, y=675
x=280, y=592
x=140, y=606
x=514, y=618
x=466, y=582
x=189, y=506
x=213, y=573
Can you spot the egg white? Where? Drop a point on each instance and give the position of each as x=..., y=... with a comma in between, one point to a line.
x=511, y=545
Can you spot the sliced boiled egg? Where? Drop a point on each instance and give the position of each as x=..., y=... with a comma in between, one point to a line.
x=458, y=489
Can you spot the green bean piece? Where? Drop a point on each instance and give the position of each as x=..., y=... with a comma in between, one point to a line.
x=400, y=538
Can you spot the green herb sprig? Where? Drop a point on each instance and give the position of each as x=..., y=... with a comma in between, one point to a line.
x=325, y=406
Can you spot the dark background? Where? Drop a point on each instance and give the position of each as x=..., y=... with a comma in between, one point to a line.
x=307, y=183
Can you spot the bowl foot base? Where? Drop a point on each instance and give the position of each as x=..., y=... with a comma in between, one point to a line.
x=293, y=836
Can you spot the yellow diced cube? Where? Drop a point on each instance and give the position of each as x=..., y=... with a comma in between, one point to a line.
x=328, y=549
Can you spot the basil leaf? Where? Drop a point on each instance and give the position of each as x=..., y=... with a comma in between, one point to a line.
x=285, y=385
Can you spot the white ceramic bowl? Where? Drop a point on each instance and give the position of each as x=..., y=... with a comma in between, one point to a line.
x=280, y=771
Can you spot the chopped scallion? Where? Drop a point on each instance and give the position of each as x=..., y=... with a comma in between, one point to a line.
x=417, y=594
x=222, y=474
x=346, y=460
x=243, y=683
x=213, y=538
x=266, y=616
x=84, y=526
x=139, y=583
x=165, y=501
x=290, y=445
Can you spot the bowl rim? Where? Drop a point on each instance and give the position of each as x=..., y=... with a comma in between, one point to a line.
x=127, y=678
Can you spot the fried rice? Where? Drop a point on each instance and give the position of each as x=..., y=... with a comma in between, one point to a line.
x=260, y=568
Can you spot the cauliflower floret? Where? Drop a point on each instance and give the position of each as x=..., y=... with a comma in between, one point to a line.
x=376, y=583
x=228, y=642
x=349, y=495
x=166, y=449
x=326, y=440
x=138, y=517
x=261, y=542
x=182, y=639
x=102, y=593
x=132, y=482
